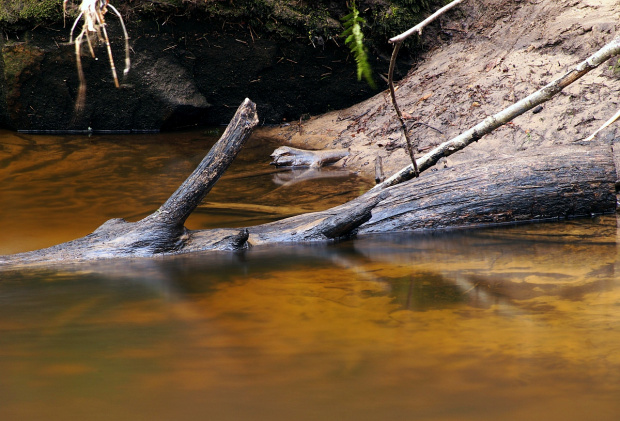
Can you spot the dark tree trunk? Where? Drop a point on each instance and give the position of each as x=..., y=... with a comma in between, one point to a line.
x=163, y=231
x=537, y=184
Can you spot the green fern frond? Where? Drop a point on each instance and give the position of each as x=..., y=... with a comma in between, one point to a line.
x=355, y=40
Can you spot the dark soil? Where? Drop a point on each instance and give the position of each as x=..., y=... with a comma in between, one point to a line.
x=184, y=73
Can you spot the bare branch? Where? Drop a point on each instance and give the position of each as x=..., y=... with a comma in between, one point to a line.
x=189, y=195
x=397, y=41
x=418, y=28
x=403, y=126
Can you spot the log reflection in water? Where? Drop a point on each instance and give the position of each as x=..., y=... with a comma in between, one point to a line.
x=503, y=322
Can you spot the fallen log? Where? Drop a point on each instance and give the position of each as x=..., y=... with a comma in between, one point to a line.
x=536, y=184
x=558, y=182
x=564, y=181
x=163, y=232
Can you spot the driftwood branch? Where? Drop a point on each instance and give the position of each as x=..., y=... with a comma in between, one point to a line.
x=398, y=41
x=161, y=232
x=285, y=156
x=189, y=195
x=493, y=122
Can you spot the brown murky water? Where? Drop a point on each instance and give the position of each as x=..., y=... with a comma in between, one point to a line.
x=514, y=323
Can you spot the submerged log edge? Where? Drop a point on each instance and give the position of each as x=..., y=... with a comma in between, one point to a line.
x=563, y=181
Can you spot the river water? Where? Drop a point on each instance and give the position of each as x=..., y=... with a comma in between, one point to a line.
x=511, y=323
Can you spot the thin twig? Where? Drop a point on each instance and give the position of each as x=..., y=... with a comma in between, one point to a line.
x=419, y=123
x=397, y=109
x=397, y=41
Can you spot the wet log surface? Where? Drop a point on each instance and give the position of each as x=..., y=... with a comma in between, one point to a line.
x=536, y=184
x=553, y=183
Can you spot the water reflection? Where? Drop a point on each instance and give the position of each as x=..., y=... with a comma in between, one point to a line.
x=509, y=323
x=491, y=324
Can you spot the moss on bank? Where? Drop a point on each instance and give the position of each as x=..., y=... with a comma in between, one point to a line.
x=29, y=11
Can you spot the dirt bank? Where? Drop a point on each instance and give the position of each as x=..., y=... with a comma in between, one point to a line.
x=193, y=62
x=183, y=73
x=499, y=53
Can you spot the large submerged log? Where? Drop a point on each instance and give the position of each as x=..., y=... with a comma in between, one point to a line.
x=537, y=184
x=560, y=182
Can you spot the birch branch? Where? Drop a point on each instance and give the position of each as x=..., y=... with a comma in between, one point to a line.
x=491, y=123
x=418, y=28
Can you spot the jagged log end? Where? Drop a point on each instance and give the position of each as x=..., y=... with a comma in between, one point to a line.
x=188, y=196
x=345, y=224
x=239, y=241
x=286, y=156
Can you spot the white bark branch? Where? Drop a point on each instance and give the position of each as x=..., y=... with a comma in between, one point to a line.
x=418, y=28
x=491, y=123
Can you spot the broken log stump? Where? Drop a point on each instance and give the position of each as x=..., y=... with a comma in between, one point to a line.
x=285, y=156
x=162, y=232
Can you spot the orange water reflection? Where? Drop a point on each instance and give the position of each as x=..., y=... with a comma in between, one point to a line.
x=494, y=324
x=513, y=323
